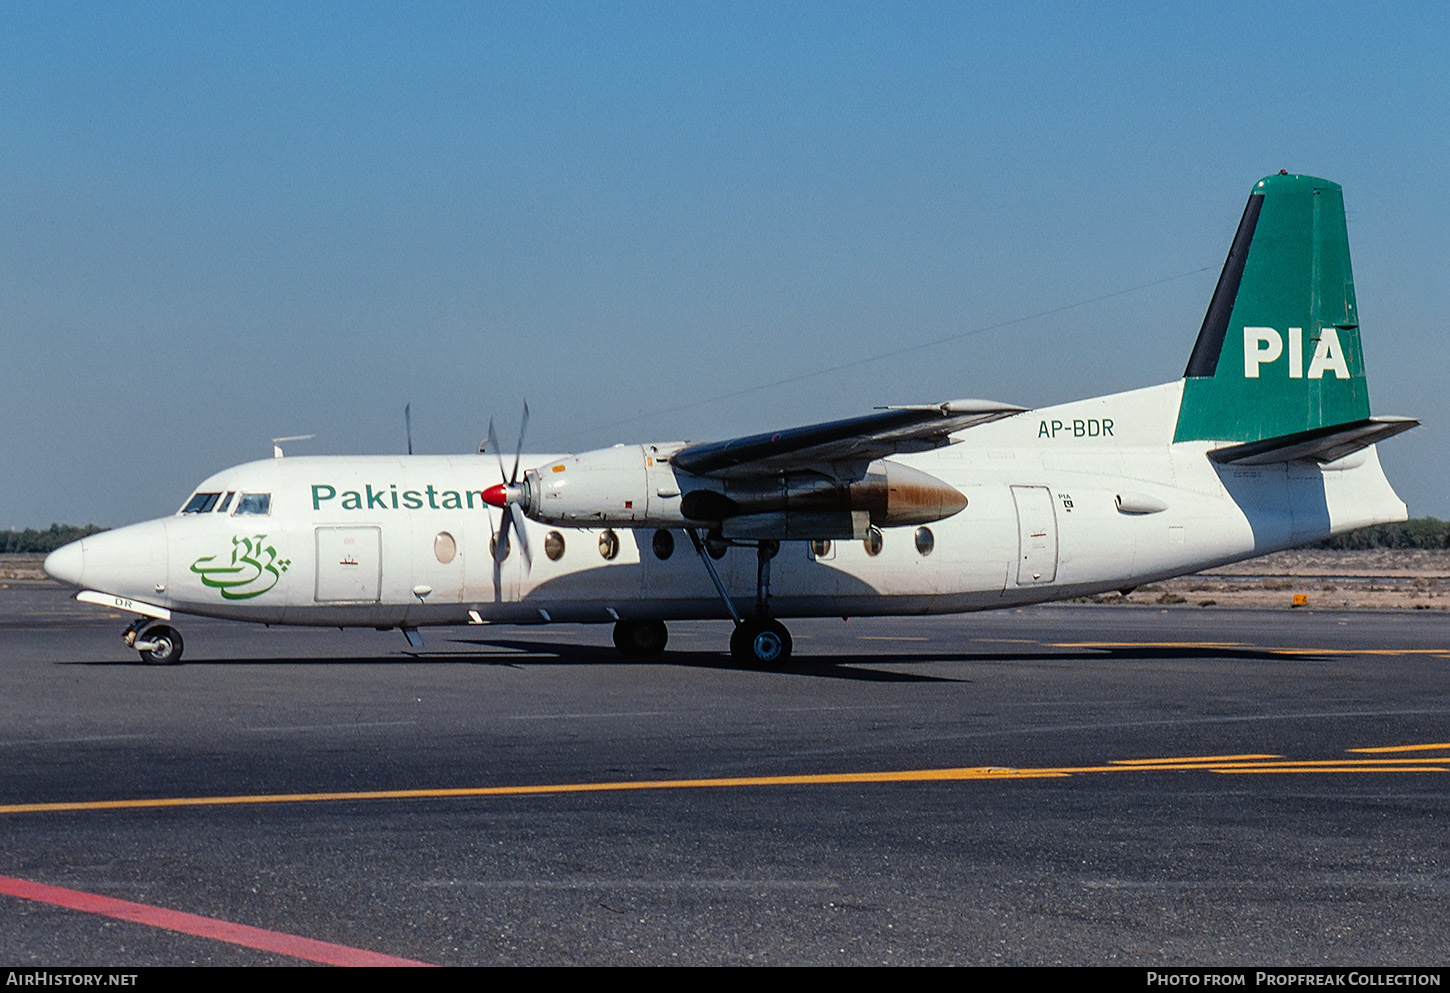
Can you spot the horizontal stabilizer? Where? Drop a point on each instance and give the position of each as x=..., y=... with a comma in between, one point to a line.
x=872, y=436
x=1324, y=444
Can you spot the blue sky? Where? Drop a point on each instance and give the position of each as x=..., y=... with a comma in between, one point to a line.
x=225, y=223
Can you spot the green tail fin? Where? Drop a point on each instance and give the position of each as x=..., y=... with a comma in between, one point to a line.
x=1279, y=349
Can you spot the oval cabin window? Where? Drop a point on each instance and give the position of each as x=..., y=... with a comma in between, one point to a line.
x=444, y=547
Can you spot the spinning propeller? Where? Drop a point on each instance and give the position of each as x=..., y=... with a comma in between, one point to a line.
x=509, y=495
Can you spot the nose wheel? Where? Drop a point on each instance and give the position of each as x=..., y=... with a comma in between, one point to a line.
x=158, y=644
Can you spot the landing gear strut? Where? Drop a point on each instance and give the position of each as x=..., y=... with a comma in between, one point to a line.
x=158, y=645
x=759, y=640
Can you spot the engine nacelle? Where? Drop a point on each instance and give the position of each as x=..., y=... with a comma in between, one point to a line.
x=636, y=486
x=628, y=485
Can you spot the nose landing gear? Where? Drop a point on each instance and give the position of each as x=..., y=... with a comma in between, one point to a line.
x=158, y=644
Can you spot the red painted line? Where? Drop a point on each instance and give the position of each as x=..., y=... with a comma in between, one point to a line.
x=204, y=927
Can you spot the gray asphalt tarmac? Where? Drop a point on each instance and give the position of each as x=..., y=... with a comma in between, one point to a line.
x=1132, y=787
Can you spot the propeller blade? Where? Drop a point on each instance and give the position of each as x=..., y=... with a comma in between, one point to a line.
x=492, y=445
x=501, y=540
x=516, y=518
x=505, y=495
x=519, y=451
x=498, y=568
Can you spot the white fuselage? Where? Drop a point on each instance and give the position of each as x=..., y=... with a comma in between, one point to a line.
x=1064, y=501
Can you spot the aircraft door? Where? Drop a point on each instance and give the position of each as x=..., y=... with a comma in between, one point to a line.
x=349, y=565
x=1036, y=535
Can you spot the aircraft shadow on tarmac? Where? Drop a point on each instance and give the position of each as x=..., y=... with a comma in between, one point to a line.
x=856, y=666
x=829, y=665
x=521, y=654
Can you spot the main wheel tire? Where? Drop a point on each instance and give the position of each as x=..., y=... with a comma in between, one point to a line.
x=168, y=645
x=761, y=642
x=641, y=640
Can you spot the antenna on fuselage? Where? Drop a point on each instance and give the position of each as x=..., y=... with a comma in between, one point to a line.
x=277, y=443
x=408, y=423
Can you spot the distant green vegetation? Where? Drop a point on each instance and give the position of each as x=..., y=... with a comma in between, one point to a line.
x=45, y=541
x=1420, y=532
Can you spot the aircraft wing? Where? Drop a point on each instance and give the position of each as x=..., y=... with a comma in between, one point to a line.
x=856, y=439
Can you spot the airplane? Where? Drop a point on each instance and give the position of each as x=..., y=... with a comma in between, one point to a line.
x=1265, y=443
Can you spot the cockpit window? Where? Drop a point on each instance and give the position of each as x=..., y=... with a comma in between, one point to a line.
x=202, y=503
x=226, y=501
x=254, y=503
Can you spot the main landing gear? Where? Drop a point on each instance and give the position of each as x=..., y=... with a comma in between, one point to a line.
x=762, y=642
x=158, y=644
x=640, y=640
x=759, y=641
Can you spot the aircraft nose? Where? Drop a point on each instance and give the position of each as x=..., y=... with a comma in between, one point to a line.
x=129, y=561
x=67, y=563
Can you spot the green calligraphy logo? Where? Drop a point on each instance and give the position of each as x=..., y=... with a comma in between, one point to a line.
x=254, y=569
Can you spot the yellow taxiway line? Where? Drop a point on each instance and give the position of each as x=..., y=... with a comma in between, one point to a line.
x=1244, y=645
x=1221, y=764
x=1445, y=745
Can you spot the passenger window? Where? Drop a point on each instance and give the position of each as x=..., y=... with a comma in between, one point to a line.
x=254, y=503
x=444, y=547
x=202, y=503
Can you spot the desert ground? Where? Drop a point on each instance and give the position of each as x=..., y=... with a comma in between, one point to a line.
x=1377, y=579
